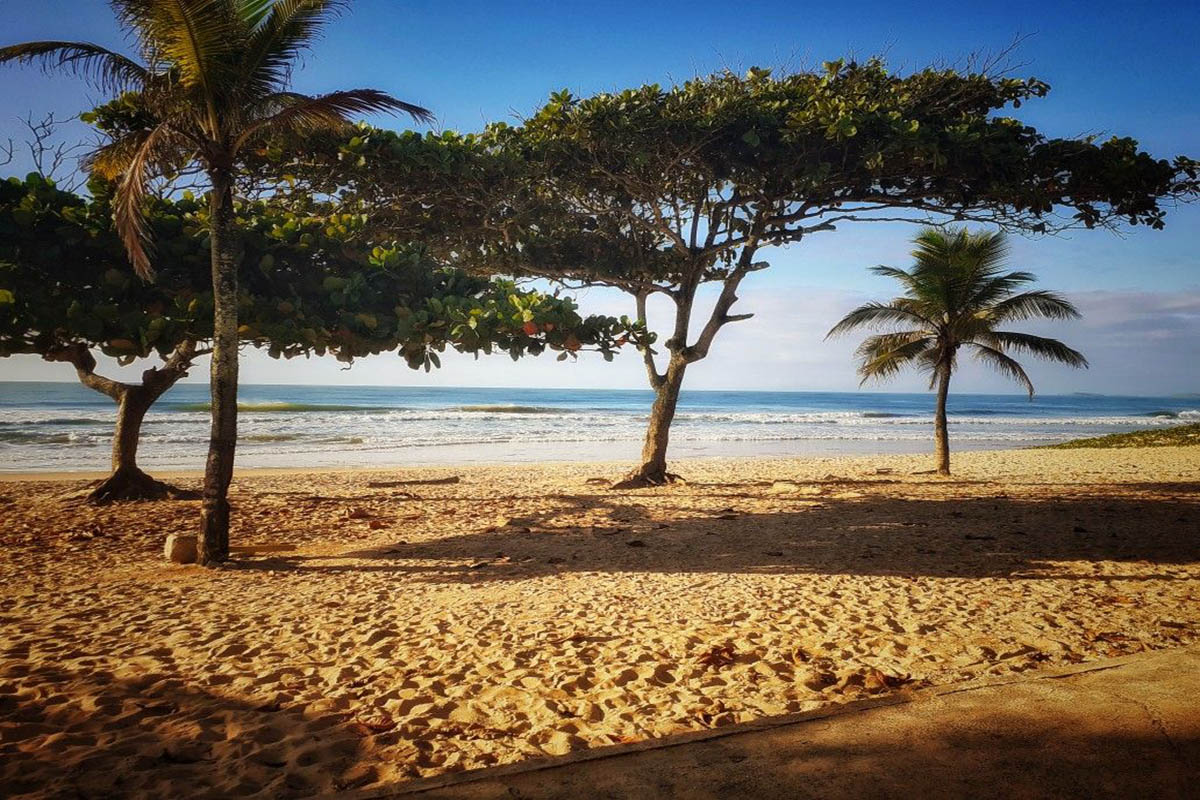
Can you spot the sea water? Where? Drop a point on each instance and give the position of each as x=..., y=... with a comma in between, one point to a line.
x=67, y=427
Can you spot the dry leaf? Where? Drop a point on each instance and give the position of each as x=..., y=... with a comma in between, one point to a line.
x=719, y=655
x=373, y=725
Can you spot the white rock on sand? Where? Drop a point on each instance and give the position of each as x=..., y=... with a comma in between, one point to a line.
x=181, y=549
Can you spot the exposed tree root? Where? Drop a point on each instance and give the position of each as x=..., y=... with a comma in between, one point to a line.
x=644, y=479
x=130, y=484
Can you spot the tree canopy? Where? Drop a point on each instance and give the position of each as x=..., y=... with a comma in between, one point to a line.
x=313, y=284
x=659, y=190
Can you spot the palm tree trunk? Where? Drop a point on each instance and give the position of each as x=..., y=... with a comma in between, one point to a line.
x=218, y=473
x=941, y=432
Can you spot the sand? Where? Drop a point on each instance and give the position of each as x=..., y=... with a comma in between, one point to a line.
x=411, y=629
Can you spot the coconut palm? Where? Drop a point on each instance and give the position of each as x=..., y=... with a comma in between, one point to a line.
x=211, y=83
x=956, y=295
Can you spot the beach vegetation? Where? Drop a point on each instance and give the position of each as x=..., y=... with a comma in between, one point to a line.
x=1187, y=434
x=660, y=191
x=210, y=83
x=311, y=284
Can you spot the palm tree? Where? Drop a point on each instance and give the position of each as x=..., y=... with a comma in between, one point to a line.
x=954, y=296
x=212, y=82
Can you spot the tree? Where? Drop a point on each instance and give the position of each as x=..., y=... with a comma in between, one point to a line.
x=65, y=289
x=660, y=191
x=955, y=296
x=214, y=84
x=311, y=285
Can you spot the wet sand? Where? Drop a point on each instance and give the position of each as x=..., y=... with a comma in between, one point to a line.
x=390, y=627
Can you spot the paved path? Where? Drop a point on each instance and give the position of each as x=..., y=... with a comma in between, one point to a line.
x=1127, y=728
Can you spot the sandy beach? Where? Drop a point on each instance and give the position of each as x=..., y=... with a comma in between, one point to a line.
x=389, y=625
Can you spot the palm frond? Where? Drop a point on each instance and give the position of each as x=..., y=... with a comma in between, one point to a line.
x=876, y=314
x=1040, y=346
x=882, y=343
x=1003, y=364
x=107, y=70
x=129, y=212
x=953, y=265
x=196, y=37
x=306, y=114
x=279, y=38
x=895, y=273
x=886, y=354
x=1032, y=304
x=252, y=13
x=111, y=160
x=993, y=289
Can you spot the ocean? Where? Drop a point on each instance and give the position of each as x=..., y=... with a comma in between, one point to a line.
x=67, y=427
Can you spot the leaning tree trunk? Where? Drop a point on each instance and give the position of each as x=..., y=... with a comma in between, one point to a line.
x=127, y=481
x=653, y=469
x=218, y=473
x=941, y=432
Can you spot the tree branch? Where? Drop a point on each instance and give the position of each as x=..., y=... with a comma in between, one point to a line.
x=656, y=378
x=84, y=362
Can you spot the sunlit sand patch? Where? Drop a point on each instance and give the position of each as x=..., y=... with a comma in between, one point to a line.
x=375, y=630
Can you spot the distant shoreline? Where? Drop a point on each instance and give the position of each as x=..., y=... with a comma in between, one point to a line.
x=747, y=452
x=614, y=466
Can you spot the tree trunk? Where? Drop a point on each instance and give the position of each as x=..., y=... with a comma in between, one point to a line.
x=131, y=411
x=941, y=432
x=218, y=473
x=653, y=469
x=127, y=481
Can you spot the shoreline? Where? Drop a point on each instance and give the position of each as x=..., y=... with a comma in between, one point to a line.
x=54, y=431
x=904, y=448
x=909, y=466
x=61, y=476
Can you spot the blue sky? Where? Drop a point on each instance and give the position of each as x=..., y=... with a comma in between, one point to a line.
x=1113, y=67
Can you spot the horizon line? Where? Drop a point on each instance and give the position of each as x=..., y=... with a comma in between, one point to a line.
x=1173, y=395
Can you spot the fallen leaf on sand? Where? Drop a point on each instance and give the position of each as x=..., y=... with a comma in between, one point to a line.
x=372, y=725
x=876, y=680
x=623, y=738
x=719, y=655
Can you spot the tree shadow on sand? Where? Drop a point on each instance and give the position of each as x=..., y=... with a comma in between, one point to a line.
x=88, y=733
x=980, y=537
